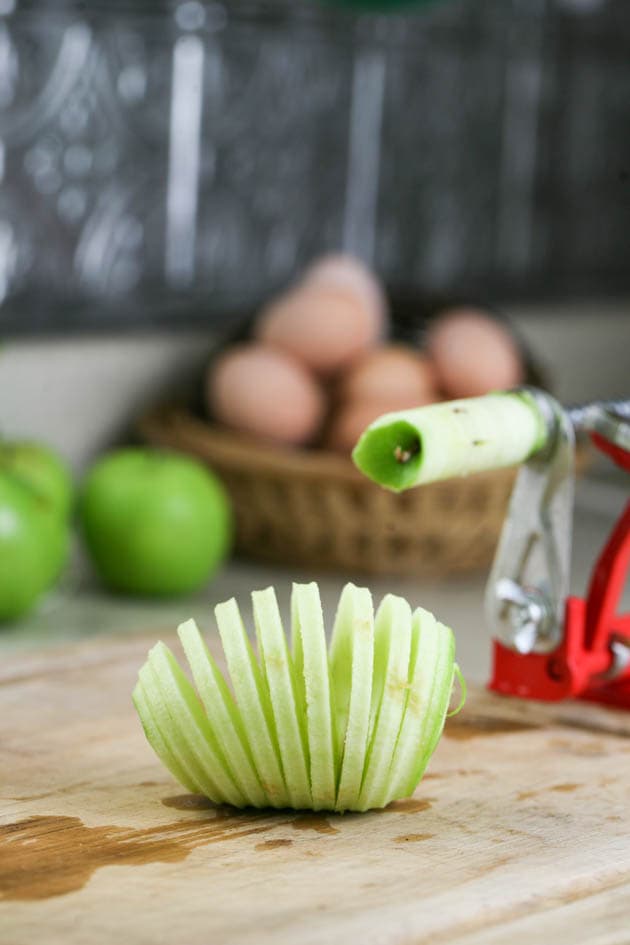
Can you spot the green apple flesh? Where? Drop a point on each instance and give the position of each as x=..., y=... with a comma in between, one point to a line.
x=160, y=742
x=253, y=701
x=351, y=670
x=161, y=720
x=351, y=729
x=392, y=647
x=430, y=684
x=222, y=712
x=277, y=667
x=312, y=678
x=154, y=523
x=195, y=738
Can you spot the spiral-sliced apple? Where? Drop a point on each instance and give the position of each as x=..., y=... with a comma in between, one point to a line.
x=351, y=727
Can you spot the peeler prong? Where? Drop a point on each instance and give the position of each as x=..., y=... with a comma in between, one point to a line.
x=529, y=579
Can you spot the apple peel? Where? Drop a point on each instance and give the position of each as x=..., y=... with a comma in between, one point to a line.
x=349, y=727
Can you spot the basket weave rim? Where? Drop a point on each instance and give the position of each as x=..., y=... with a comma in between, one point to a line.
x=248, y=452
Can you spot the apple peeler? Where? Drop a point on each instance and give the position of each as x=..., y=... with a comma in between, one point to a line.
x=548, y=644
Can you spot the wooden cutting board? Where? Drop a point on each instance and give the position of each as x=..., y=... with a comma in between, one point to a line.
x=519, y=833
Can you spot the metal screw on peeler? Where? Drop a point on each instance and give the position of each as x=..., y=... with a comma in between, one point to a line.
x=530, y=616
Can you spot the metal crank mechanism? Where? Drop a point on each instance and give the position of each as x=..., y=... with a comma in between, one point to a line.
x=547, y=644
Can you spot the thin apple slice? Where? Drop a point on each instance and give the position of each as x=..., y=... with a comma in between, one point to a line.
x=310, y=659
x=430, y=683
x=438, y=711
x=158, y=741
x=392, y=647
x=441, y=716
x=253, y=702
x=351, y=668
x=170, y=730
x=196, y=735
x=276, y=664
x=223, y=715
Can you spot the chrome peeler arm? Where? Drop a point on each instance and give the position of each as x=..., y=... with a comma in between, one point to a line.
x=529, y=579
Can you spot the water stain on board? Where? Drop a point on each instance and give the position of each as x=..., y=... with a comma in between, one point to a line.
x=594, y=727
x=46, y=856
x=67, y=789
x=475, y=726
x=413, y=837
x=274, y=844
x=452, y=773
x=526, y=795
x=410, y=805
x=579, y=747
x=189, y=802
x=564, y=788
x=316, y=822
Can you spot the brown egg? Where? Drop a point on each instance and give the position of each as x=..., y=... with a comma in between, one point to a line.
x=265, y=392
x=473, y=354
x=391, y=373
x=352, y=418
x=324, y=328
x=345, y=272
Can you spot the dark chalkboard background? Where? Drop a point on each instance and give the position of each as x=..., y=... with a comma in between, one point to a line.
x=172, y=163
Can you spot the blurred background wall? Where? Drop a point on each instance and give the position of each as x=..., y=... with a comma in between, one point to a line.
x=169, y=163
x=165, y=166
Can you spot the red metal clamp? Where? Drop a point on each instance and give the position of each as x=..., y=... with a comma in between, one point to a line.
x=590, y=656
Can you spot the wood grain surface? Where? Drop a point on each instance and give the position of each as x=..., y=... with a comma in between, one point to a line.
x=519, y=833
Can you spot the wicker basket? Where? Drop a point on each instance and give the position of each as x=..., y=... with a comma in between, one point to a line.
x=313, y=509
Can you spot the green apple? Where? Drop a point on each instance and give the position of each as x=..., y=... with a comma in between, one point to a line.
x=154, y=522
x=40, y=467
x=33, y=545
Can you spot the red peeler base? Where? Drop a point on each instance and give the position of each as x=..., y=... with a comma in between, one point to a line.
x=593, y=660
